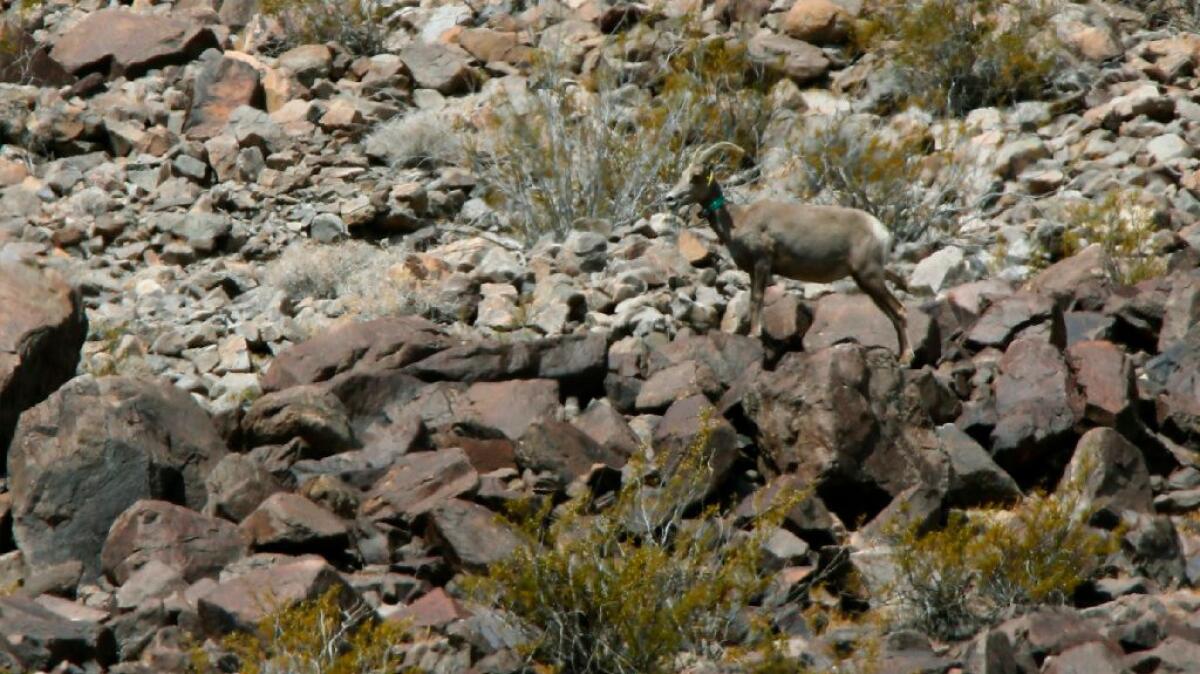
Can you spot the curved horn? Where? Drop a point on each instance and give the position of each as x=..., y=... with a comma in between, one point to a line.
x=703, y=155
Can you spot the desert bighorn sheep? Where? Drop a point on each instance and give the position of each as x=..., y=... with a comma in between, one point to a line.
x=804, y=242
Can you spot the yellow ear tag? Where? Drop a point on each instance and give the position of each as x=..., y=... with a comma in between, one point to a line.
x=711, y=177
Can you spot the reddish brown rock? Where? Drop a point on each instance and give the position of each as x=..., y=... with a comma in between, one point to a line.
x=1106, y=378
x=608, y=427
x=509, y=407
x=1084, y=277
x=470, y=534
x=290, y=522
x=42, y=328
x=681, y=427
x=420, y=482
x=446, y=68
x=1110, y=473
x=564, y=450
x=490, y=46
x=236, y=485
x=785, y=319
x=817, y=21
x=196, y=545
x=120, y=42
x=38, y=639
x=386, y=343
x=676, y=382
x=1012, y=316
x=841, y=318
x=95, y=447
x=223, y=85
x=309, y=413
x=1037, y=407
x=433, y=609
x=239, y=603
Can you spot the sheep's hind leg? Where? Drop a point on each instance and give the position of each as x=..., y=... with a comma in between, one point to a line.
x=758, y=286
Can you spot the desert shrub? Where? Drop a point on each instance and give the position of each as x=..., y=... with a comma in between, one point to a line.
x=358, y=274
x=627, y=583
x=984, y=563
x=1123, y=225
x=954, y=56
x=562, y=153
x=318, y=636
x=852, y=160
x=358, y=25
x=423, y=137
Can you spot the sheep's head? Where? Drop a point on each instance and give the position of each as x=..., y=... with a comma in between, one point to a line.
x=698, y=183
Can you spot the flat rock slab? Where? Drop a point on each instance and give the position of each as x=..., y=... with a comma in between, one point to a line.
x=47, y=639
x=120, y=42
x=42, y=328
x=855, y=318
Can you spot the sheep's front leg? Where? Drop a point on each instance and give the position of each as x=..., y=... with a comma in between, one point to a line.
x=758, y=287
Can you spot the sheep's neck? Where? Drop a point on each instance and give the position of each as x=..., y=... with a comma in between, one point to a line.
x=718, y=217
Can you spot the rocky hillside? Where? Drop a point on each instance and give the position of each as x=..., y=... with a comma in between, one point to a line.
x=303, y=294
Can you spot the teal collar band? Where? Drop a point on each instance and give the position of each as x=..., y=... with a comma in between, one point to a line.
x=715, y=205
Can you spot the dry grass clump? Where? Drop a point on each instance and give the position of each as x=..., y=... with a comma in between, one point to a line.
x=358, y=25
x=856, y=161
x=954, y=56
x=358, y=274
x=563, y=153
x=626, y=584
x=420, y=138
x=318, y=636
x=983, y=563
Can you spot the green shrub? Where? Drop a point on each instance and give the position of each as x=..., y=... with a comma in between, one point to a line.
x=358, y=25
x=982, y=563
x=953, y=56
x=563, y=154
x=852, y=160
x=1123, y=225
x=319, y=636
x=626, y=584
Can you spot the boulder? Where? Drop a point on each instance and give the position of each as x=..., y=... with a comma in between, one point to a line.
x=420, y=482
x=817, y=21
x=564, y=450
x=116, y=41
x=38, y=639
x=236, y=485
x=42, y=329
x=1037, y=408
x=470, y=534
x=223, y=85
x=310, y=413
x=1109, y=473
x=1012, y=316
x=842, y=318
x=797, y=60
x=195, y=545
x=290, y=523
x=445, y=68
x=95, y=447
x=240, y=602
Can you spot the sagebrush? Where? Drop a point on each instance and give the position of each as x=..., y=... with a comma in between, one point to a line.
x=628, y=584
x=325, y=635
x=983, y=563
x=564, y=154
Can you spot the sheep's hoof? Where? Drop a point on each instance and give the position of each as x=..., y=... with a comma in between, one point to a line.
x=906, y=358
